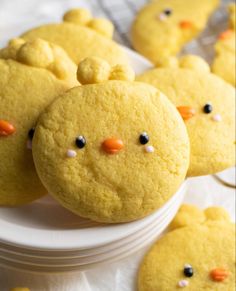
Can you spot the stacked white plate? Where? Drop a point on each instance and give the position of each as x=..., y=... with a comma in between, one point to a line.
x=45, y=237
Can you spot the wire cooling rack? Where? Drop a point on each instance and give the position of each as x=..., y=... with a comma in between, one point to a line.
x=122, y=13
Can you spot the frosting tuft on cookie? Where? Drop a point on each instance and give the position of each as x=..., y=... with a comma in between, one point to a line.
x=192, y=62
x=37, y=53
x=40, y=54
x=190, y=214
x=95, y=70
x=84, y=17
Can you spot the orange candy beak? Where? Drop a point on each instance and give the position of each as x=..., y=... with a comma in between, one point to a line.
x=226, y=34
x=112, y=145
x=186, y=112
x=219, y=274
x=6, y=128
x=185, y=24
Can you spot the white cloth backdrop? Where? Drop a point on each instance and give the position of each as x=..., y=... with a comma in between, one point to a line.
x=16, y=16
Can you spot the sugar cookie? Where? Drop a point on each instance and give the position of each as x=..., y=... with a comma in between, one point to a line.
x=207, y=104
x=81, y=36
x=32, y=74
x=195, y=256
x=163, y=27
x=111, y=150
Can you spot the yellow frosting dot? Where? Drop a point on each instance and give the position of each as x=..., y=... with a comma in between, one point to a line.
x=37, y=53
x=102, y=26
x=122, y=72
x=20, y=289
x=195, y=63
x=93, y=70
x=78, y=16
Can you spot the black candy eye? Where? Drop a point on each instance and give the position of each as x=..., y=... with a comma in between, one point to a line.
x=188, y=271
x=80, y=141
x=143, y=138
x=167, y=11
x=207, y=108
x=31, y=133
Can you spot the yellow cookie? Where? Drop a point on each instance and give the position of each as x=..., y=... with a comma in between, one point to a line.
x=163, y=27
x=207, y=104
x=195, y=257
x=113, y=150
x=32, y=74
x=232, y=15
x=225, y=61
x=82, y=36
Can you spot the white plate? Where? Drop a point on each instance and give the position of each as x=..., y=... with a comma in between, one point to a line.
x=227, y=177
x=48, y=254
x=16, y=231
x=76, y=263
x=44, y=226
x=137, y=62
x=170, y=209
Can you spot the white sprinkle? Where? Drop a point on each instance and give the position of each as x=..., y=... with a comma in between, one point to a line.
x=29, y=144
x=71, y=154
x=217, y=117
x=149, y=149
x=162, y=17
x=183, y=283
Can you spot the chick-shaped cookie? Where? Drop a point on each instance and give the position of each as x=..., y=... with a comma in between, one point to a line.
x=32, y=74
x=163, y=27
x=112, y=150
x=207, y=105
x=232, y=15
x=224, y=63
x=81, y=36
x=199, y=254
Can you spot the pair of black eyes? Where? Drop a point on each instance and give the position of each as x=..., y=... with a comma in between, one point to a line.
x=188, y=271
x=207, y=108
x=80, y=141
x=143, y=138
